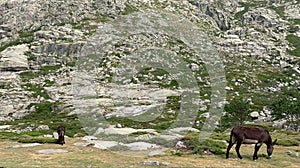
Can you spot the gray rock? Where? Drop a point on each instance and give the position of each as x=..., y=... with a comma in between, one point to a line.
x=104, y=144
x=141, y=146
x=3, y=127
x=48, y=136
x=119, y=125
x=52, y=151
x=153, y=163
x=83, y=144
x=183, y=129
x=55, y=135
x=149, y=163
x=43, y=128
x=180, y=145
x=25, y=145
x=170, y=137
x=14, y=59
x=88, y=138
x=254, y=114
x=156, y=153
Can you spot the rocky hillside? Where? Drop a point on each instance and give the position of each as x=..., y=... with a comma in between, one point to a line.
x=66, y=55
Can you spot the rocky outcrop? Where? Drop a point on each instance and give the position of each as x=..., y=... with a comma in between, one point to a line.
x=222, y=21
x=41, y=42
x=14, y=58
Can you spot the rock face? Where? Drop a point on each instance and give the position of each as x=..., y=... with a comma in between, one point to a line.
x=14, y=58
x=42, y=43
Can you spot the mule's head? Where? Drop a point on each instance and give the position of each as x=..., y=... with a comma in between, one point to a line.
x=270, y=148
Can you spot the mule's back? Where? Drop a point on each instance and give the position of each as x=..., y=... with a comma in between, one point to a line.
x=248, y=134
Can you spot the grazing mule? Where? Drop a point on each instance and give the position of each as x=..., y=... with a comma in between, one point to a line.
x=250, y=135
x=61, y=130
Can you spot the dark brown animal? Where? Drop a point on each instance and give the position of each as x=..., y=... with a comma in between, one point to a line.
x=250, y=135
x=61, y=130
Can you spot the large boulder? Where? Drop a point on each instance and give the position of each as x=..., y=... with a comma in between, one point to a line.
x=14, y=59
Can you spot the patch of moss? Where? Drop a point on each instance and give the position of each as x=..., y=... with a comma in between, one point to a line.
x=295, y=42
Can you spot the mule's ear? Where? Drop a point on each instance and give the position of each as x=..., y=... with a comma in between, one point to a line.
x=274, y=142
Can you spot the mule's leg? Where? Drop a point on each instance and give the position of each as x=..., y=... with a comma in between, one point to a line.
x=237, y=149
x=256, y=148
x=228, y=149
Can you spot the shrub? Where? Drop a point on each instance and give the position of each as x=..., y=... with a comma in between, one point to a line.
x=198, y=146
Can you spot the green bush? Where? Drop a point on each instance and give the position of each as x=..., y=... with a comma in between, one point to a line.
x=288, y=142
x=237, y=113
x=198, y=146
x=37, y=140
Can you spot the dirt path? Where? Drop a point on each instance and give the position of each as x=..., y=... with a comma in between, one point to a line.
x=92, y=157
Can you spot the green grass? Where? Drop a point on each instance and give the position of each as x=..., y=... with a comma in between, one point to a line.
x=296, y=21
x=239, y=14
x=45, y=115
x=194, y=143
x=28, y=75
x=30, y=57
x=16, y=42
x=25, y=37
x=4, y=85
x=49, y=69
x=27, y=137
x=48, y=83
x=44, y=70
x=279, y=10
x=36, y=89
x=128, y=9
x=37, y=140
x=286, y=137
x=295, y=42
x=247, y=6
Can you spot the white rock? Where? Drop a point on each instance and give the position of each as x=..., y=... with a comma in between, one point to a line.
x=25, y=145
x=48, y=136
x=52, y=151
x=180, y=145
x=184, y=129
x=104, y=144
x=119, y=125
x=141, y=146
x=55, y=135
x=3, y=127
x=87, y=138
x=156, y=153
x=43, y=127
x=13, y=58
x=254, y=114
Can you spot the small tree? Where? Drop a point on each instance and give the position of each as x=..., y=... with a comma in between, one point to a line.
x=287, y=106
x=237, y=113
